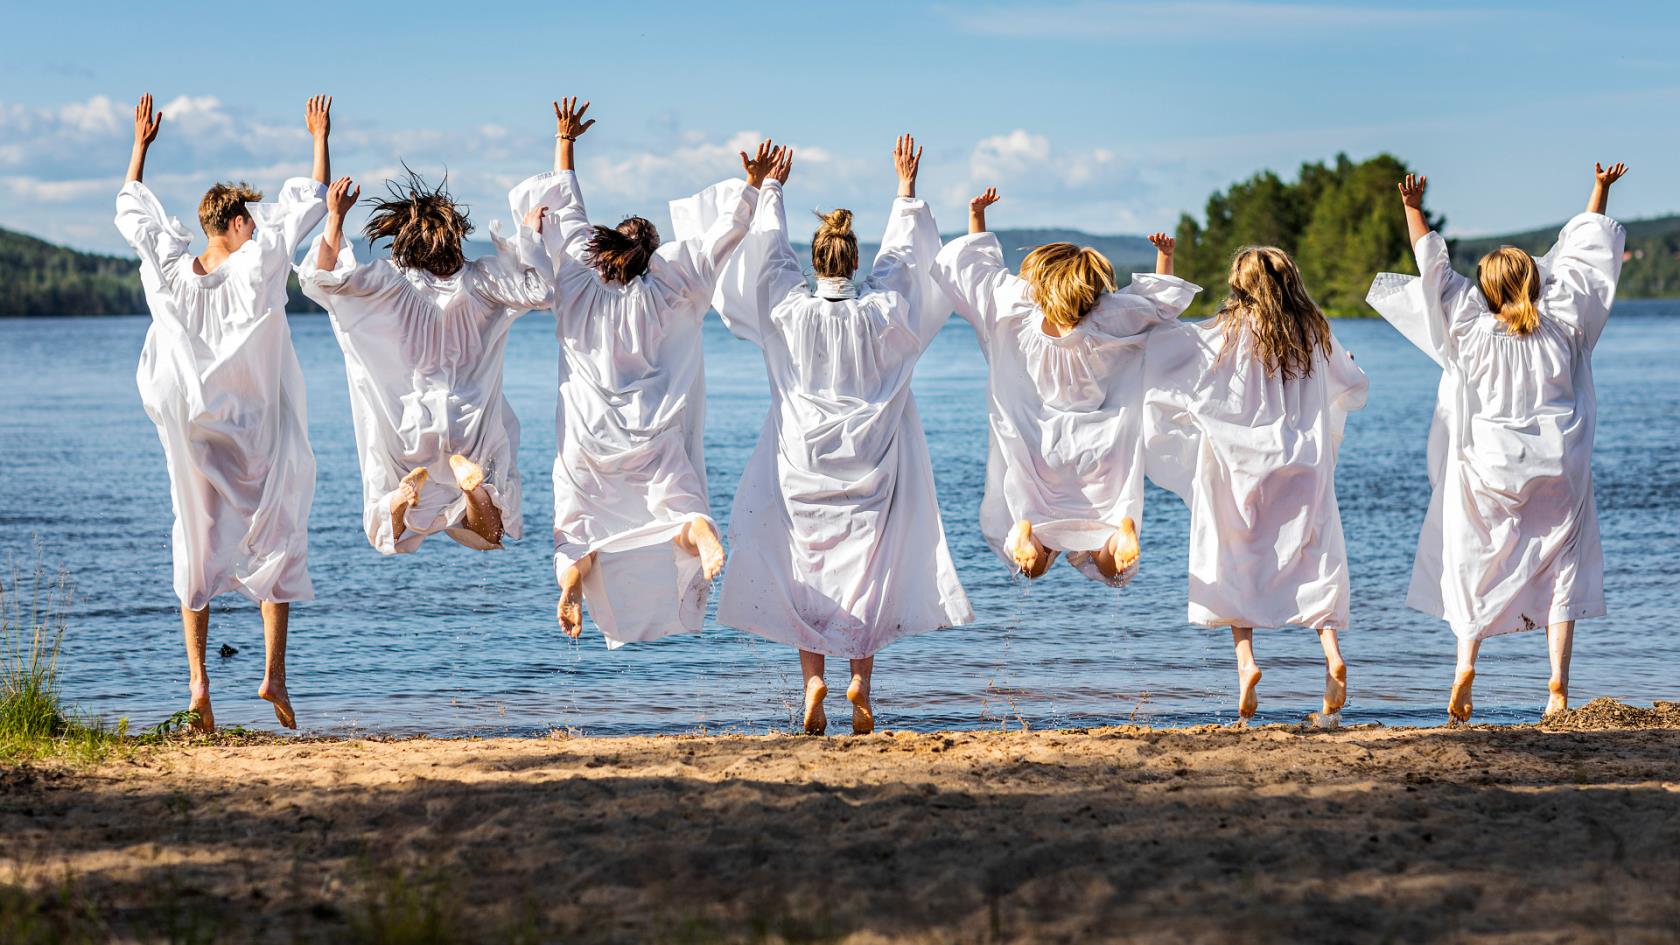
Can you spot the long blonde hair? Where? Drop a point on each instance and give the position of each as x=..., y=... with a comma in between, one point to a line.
x=1067, y=281
x=1511, y=282
x=834, y=250
x=1269, y=300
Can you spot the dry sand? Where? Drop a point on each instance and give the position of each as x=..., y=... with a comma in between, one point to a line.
x=1567, y=833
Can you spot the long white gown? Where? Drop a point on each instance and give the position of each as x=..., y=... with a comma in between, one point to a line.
x=1511, y=538
x=1254, y=457
x=836, y=544
x=219, y=377
x=424, y=357
x=1066, y=413
x=631, y=472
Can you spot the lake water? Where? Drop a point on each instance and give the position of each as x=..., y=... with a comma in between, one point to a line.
x=452, y=642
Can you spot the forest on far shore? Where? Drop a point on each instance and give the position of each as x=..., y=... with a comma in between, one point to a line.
x=1341, y=220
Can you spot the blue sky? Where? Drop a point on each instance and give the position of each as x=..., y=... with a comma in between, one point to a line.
x=1112, y=117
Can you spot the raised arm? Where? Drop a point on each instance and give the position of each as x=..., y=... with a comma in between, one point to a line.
x=568, y=125
x=1411, y=197
x=977, y=210
x=318, y=116
x=341, y=196
x=1599, y=200
x=146, y=125
x=1164, y=246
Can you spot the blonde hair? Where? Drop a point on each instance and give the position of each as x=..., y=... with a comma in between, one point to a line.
x=1269, y=300
x=223, y=204
x=1067, y=281
x=834, y=250
x=1511, y=282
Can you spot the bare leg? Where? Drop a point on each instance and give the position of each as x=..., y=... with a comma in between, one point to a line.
x=1335, y=673
x=483, y=518
x=195, y=626
x=700, y=537
x=407, y=497
x=1121, y=551
x=1248, y=673
x=276, y=617
x=811, y=665
x=570, y=611
x=1459, y=704
x=863, y=717
x=1029, y=554
x=1560, y=642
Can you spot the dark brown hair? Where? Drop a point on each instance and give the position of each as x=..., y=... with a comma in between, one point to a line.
x=622, y=254
x=834, y=250
x=223, y=204
x=425, y=225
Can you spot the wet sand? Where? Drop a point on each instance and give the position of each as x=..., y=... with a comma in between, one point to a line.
x=1563, y=833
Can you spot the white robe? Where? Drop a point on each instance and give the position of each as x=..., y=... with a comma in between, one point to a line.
x=631, y=473
x=1066, y=413
x=219, y=377
x=424, y=357
x=836, y=544
x=1511, y=538
x=1254, y=457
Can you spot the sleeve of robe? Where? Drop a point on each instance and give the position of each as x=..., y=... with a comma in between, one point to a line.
x=566, y=230
x=283, y=225
x=349, y=278
x=972, y=274
x=1346, y=384
x=721, y=213
x=160, y=242
x=1424, y=308
x=1148, y=301
x=760, y=274
x=904, y=265
x=517, y=276
x=1583, y=267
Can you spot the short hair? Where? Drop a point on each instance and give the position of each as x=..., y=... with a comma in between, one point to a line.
x=1067, y=281
x=424, y=224
x=223, y=204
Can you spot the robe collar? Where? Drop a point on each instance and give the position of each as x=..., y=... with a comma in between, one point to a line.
x=836, y=289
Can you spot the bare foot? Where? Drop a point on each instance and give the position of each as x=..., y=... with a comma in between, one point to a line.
x=407, y=497
x=863, y=717
x=201, y=704
x=816, y=720
x=701, y=538
x=468, y=474
x=1559, y=700
x=1459, y=705
x=570, y=610
x=1335, y=688
x=1248, y=696
x=1122, y=548
x=276, y=693
x=1027, y=552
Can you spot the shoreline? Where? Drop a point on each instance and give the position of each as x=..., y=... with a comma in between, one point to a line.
x=1278, y=833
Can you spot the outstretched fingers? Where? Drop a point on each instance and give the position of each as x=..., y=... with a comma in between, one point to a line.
x=984, y=199
x=1163, y=242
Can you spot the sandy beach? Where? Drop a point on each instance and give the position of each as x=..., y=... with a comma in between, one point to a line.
x=1564, y=833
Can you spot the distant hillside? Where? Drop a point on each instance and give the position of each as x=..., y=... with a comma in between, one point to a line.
x=39, y=278
x=1650, y=269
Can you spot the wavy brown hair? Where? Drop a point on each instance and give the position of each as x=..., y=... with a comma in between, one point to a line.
x=425, y=225
x=1511, y=282
x=223, y=204
x=621, y=253
x=1269, y=300
x=1067, y=281
x=834, y=250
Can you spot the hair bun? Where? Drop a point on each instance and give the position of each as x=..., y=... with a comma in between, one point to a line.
x=837, y=222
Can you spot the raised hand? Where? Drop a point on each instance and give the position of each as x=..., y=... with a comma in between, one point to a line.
x=783, y=167
x=342, y=196
x=1608, y=177
x=1164, y=246
x=534, y=218
x=1602, y=179
x=1411, y=191
x=907, y=160
x=146, y=123
x=318, y=115
x=977, y=209
x=758, y=166
x=568, y=119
